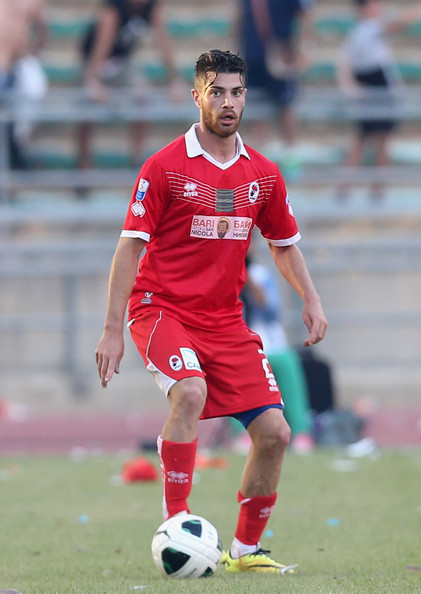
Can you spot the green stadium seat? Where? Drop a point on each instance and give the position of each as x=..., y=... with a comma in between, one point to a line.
x=414, y=29
x=197, y=28
x=410, y=71
x=337, y=26
x=177, y=28
x=46, y=159
x=68, y=74
x=67, y=29
x=157, y=72
x=320, y=72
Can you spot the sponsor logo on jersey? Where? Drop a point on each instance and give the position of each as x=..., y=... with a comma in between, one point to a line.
x=175, y=363
x=190, y=190
x=147, y=298
x=224, y=200
x=221, y=227
x=177, y=477
x=142, y=188
x=138, y=209
x=265, y=512
x=254, y=191
x=190, y=359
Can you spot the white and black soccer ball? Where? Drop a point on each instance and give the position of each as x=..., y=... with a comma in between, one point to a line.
x=186, y=546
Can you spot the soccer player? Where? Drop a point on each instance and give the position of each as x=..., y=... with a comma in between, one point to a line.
x=184, y=312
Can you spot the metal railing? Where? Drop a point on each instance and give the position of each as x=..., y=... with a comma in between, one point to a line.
x=71, y=106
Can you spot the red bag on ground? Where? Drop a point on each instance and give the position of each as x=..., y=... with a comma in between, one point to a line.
x=139, y=469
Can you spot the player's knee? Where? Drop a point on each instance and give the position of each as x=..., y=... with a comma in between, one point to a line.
x=275, y=441
x=279, y=439
x=187, y=398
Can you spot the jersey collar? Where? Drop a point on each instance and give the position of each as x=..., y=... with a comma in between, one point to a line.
x=194, y=148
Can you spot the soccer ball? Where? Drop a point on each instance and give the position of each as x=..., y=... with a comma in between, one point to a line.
x=186, y=546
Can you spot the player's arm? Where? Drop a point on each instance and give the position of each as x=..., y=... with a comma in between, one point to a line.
x=110, y=349
x=291, y=264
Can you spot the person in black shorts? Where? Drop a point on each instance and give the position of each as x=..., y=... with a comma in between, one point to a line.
x=106, y=49
x=368, y=73
x=275, y=37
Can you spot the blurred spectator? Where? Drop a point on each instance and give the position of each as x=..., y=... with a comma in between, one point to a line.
x=106, y=49
x=276, y=38
x=262, y=311
x=367, y=71
x=23, y=34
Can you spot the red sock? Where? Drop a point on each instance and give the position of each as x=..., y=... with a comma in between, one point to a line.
x=253, y=517
x=177, y=465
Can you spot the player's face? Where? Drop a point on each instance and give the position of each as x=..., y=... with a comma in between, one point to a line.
x=221, y=102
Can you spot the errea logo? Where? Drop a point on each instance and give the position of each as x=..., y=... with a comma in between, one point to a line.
x=177, y=477
x=265, y=512
x=190, y=190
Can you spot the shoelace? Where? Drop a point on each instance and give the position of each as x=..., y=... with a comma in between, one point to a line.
x=261, y=552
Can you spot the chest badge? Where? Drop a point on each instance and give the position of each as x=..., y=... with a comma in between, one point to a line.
x=254, y=191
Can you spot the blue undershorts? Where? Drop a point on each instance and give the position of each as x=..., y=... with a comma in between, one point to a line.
x=248, y=416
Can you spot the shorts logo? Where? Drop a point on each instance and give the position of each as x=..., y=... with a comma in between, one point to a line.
x=142, y=188
x=175, y=363
x=225, y=227
x=147, y=297
x=190, y=359
x=254, y=191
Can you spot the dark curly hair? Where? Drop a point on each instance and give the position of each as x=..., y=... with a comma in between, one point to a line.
x=218, y=61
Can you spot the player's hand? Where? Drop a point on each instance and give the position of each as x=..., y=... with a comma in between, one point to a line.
x=109, y=352
x=315, y=320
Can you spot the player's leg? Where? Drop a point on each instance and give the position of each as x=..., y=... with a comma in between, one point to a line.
x=187, y=399
x=177, y=444
x=168, y=351
x=270, y=435
x=238, y=374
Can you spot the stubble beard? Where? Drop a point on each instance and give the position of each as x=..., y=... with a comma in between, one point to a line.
x=212, y=124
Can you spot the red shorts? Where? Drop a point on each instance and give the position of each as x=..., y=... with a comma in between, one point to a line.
x=233, y=364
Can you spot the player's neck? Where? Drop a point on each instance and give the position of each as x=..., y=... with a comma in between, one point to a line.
x=221, y=149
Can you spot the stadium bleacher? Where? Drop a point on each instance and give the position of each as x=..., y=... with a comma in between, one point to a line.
x=193, y=28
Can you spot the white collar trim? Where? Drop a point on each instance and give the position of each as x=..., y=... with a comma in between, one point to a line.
x=194, y=148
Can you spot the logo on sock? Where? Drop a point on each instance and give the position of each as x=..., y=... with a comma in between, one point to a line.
x=265, y=512
x=177, y=477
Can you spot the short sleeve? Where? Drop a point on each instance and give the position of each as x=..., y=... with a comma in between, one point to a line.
x=276, y=219
x=149, y=201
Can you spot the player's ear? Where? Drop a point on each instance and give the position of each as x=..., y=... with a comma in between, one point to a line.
x=196, y=97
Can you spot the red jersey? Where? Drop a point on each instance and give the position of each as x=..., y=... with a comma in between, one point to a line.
x=197, y=216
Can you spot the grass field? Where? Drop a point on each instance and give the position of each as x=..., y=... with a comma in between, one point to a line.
x=67, y=527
